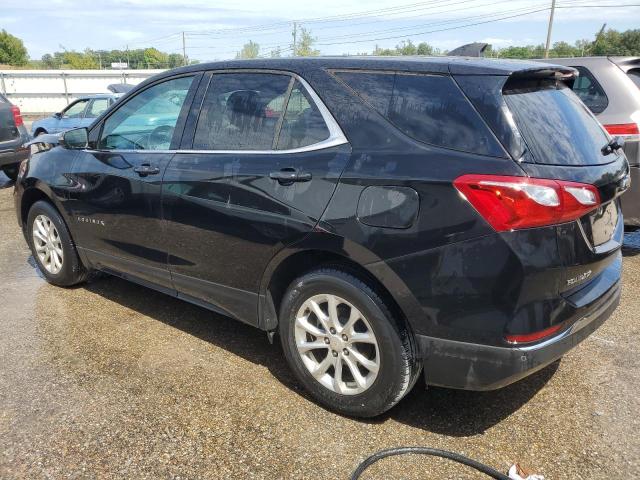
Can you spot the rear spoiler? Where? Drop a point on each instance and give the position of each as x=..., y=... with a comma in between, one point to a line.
x=546, y=72
x=626, y=63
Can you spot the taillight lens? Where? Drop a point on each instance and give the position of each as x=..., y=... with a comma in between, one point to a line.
x=623, y=129
x=17, y=117
x=512, y=203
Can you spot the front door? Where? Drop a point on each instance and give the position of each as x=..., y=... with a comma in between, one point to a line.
x=115, y=197
x=256, y=171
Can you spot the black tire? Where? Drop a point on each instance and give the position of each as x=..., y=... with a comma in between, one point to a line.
x=72, y=271
x=11, y=171
x=398, y=368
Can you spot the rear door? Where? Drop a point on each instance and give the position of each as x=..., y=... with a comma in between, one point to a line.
x=258, y=164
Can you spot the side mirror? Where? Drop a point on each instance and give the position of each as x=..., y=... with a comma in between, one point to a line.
x=75, y=139
x=58, y=114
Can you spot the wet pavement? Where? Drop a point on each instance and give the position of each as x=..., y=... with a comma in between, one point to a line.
x=111, y=380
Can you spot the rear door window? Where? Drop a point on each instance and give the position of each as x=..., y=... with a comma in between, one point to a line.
x=96, y=107
x=303, y=124
x=428, y=108
x=556, y=126
x=587, y=88
x=241, y=111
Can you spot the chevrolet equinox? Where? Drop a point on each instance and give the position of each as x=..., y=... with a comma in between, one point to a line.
x=383, y=216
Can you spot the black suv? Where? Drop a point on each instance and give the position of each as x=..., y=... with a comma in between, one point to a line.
x=13, y=135
x=382, y=215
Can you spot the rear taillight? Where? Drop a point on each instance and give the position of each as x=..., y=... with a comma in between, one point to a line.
x=17, y=118
x=512, y=203
x=623, y=129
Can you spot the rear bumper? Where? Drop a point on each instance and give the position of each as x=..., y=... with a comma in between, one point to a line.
x=469, y=366
x=12, y=157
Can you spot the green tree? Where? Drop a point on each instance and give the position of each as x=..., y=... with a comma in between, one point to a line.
x=249, y=50
x=175, y=60
x=78, y=61
x=154, y=58
x=563, y=49
x=303, y=46
x=425, y=49
x=12, y=50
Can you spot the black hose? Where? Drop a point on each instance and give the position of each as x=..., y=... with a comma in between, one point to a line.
x=391, y=452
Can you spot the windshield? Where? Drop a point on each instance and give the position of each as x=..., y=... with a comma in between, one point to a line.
x=555, y=124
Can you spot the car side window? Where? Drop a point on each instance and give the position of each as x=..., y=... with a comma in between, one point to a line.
x=427, y=108
x=75, y=110
x=146, y=121
x=96, y=107
x=303, y=124
x=587, y=88
x=241, y=111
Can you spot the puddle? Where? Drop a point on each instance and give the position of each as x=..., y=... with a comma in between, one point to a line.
x=631, y=244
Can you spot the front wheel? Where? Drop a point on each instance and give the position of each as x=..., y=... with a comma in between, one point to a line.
x=11, y=171
x=344, y=344
x=52, y=246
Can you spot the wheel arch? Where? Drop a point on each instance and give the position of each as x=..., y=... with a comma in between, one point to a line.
x=293, y=262
x=34, y=194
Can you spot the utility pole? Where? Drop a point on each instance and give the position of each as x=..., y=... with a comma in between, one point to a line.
x=128, y=65
x=553, y=10
x=184, y=50
x=295, y=35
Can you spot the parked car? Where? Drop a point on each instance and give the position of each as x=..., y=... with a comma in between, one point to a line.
x=380, y=215
x=610, y=87
x=79, y=113
x=13, y=135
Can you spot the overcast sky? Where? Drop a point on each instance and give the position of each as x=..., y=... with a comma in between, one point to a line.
x=217, y=29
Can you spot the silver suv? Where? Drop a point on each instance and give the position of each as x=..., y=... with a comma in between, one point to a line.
x=610, y=87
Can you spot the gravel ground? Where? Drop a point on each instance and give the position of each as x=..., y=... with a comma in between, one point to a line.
x=111, y=380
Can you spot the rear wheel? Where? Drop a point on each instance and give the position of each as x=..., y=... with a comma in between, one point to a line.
x=11, y=171
x=344, y=345
x=52, y=246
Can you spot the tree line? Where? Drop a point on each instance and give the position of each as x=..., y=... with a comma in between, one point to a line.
x=13, y=52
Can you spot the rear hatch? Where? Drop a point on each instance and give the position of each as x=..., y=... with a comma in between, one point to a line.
x=552, y=135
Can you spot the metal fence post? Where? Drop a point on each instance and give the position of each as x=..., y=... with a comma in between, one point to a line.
x=64, y=81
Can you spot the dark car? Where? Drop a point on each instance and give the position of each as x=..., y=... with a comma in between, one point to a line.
x=13, y=136
x=381, y=215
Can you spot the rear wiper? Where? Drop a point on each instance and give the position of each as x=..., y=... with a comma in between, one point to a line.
x=616, y=143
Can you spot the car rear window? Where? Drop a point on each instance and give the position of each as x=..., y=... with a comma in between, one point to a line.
x=587, y=88
x=428, y=108
x=555, y=124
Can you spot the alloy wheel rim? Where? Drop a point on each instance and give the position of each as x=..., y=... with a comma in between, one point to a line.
x=337, y=344
x=48, y=245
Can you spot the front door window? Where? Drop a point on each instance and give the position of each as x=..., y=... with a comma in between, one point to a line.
x=148, y=120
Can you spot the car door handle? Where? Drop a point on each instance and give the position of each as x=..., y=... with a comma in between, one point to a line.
x=146, y=169
x=287, y=176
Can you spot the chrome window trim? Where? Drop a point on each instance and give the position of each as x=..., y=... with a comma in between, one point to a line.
x=336, y=136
